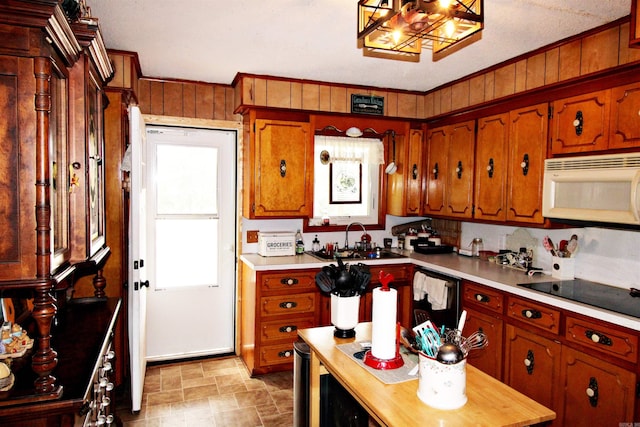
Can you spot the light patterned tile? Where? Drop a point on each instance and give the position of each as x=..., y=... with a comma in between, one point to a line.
x=199, y=392
x=164, y=397
x=253, y=398
x=246, y=417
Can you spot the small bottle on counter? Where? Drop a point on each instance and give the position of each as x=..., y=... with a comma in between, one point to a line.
x=299, y=243
x=315, y=246
x=476, y=246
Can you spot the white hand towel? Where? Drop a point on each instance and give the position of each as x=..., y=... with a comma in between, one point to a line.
x=419, y=286
x=437, y=293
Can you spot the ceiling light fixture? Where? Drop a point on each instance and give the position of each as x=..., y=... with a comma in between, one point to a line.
x=399, y=29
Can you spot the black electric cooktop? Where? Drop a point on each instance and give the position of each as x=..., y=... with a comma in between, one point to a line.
x=620, y=300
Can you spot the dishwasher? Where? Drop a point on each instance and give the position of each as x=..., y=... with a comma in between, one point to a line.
x=438, y=295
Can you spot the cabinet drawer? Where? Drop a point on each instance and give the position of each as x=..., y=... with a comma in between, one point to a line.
x=288, y=304
x=534, y=314
x=399, y=272
x=599, y=337
x=293, y=281
x=284, y=329
x=482, y=296
x=276, y=354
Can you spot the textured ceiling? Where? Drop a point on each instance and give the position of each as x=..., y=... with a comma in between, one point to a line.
x=212, y=40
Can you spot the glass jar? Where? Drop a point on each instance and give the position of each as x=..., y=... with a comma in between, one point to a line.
x=476, y=246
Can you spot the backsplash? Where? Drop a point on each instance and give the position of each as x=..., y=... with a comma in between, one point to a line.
x=604, y=255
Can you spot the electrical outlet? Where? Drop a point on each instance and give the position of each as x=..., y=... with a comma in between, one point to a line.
x=252, y=236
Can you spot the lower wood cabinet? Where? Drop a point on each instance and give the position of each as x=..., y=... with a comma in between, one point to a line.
x=532, y=365
x=582, y=368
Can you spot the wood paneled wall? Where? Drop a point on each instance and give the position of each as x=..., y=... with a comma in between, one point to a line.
x=186, y=99
x=593, y=52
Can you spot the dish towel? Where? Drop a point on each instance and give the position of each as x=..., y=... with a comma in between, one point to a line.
x=419, y=286
x=437, y=293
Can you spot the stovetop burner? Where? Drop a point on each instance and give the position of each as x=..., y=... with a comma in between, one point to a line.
x=596, y=294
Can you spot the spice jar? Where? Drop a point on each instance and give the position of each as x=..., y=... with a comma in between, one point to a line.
x=476, y=246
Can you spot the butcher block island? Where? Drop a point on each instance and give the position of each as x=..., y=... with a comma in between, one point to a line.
x=490, y=402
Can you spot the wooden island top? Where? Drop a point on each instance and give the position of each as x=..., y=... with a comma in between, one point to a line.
x=490, y=402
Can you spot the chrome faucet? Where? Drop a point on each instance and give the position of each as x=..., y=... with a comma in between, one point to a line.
x=346, y=236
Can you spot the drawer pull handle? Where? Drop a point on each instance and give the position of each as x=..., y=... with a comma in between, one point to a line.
x=598, y=338
x=459, y=169
x=525, y=164
x=288, y=304
x=285, y=353
x=482, y=298
x=288, y=328
x=435, y=171
x=592, y=392
x=289, y=281
x=578, y=123
x=529, y=362
x=531, y=314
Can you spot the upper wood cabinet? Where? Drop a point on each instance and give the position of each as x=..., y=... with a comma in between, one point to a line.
x=581, y=123
x=598, y=121
x=492, y=157
x=404, y=187
x=278, y=169
x=528, y=130
x=450, y=169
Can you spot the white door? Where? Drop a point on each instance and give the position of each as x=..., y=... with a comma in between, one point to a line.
x=137, y=293
x=191, y=242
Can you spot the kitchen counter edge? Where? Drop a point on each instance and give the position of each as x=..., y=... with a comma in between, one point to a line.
x=474, y=269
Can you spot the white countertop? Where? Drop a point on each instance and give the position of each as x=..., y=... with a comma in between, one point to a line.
x=473, y=269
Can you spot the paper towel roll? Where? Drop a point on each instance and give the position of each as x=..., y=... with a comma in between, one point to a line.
x=383, y=327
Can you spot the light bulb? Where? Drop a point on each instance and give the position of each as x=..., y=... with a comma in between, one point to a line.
x=445, y=4
x=450, y=28
x=397, y=34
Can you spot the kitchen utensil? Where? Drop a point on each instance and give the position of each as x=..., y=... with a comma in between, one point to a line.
x=324, y=281
x=549, y=246
x=475, y=341
x=392, y=167
x=572, y=245
x=449, y=354
x=408, y=340
x=461, y=322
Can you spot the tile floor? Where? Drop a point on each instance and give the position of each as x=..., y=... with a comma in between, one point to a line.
x=212, y=393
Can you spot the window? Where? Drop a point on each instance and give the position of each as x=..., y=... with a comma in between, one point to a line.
x=346, y=184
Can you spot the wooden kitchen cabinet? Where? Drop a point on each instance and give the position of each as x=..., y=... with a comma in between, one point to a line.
x=597, y=121
x=492, y=156
x=596, y=392
x=634, y=31
x=404, y=188
x=527, y=151
x=273, y=306
x=484, y=308
x=625, y=117
x=450, y=160
x=532, y=365
x=278, y=168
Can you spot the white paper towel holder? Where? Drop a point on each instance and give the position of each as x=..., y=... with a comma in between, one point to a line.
x=396, y=361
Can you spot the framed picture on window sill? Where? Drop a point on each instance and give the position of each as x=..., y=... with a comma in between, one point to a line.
x=345, y=182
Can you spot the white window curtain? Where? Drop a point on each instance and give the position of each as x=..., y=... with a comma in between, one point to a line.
x=365, y=150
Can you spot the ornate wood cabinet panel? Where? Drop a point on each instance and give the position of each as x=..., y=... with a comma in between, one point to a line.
x=278, y=169
x=404, y=187
x=436, y=176
x=527, y=151
x=491, y=168
x=625, y=117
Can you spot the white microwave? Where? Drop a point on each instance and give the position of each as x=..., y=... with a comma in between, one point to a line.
x=603, y=188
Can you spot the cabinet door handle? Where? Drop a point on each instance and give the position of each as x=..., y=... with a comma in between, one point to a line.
x=490, y=168
x=288, y=304
x=288, y=328
x=598, y=338
x=592, y=391
x=414, y=171
x=525, y=164
x=531, y=314
x=289, y=281
x=435, y=171
x=529, y=362
x=578, y=122
x=459, y=169
x=283, y=168
x=285, y=353
x=482, y=298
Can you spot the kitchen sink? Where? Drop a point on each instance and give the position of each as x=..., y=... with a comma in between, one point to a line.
x=363, y=255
